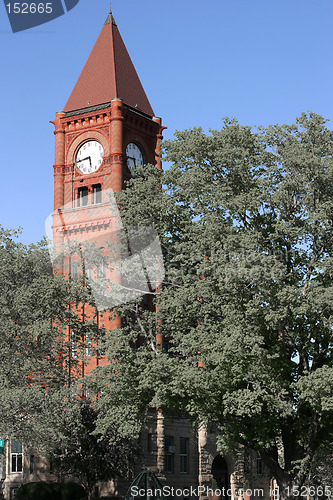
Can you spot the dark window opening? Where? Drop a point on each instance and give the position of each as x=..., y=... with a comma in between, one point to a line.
x=166, y=345
x=184, y=442
x=146, y=301
x=169, y=455
x=101, y=351
x=32, y=463
x=97, y=193
x=82, y=197
x=13, y=492
x=149, y=442
x=246, y=462
x=259, y=466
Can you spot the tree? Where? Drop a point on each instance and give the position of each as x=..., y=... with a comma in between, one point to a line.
x=88, y=457
x=40, y=376
x=245, y=220
x=321, y=474
x=37, y=370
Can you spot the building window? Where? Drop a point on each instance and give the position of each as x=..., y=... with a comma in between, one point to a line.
x=16, y=456
x=150, y=442
x=82, y=200
x=166, y=345
x=88, y=339
x=102, y=269
x=259, y=466
x=101, y=351
x=13, y=492
x=97, y=193
x=246, y=462
x=146, y=301
x=74, y=268
x=169, y=455
x=184, y=455
x=74, y=345
x=32, y=464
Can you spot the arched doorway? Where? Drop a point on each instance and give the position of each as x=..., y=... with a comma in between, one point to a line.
x=220, y=480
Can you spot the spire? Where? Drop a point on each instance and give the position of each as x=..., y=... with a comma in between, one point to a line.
x=107, y=74
x=110, y=18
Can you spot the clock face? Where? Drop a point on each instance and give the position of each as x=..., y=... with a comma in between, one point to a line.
x=134, y=156
x=89, y=157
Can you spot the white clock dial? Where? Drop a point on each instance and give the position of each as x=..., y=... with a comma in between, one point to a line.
x=89, y=157
x=134, y=156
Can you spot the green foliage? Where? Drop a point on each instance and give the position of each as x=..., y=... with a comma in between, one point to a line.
x=40, y=315
x=89, y=457
x=37, y=370
x=245, y=221
x=51, y=491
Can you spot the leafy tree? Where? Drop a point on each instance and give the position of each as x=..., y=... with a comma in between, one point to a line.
x=51, y=491
x=40, y=375
x=245, y=220
x=321, y=474
x=88, y=457
x=37, y=371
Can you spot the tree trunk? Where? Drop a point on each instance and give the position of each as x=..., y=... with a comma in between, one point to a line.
x=290, y=488
x=90, y=488
x=294, y=490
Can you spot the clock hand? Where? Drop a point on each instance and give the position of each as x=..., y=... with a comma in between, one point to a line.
x=83, y=159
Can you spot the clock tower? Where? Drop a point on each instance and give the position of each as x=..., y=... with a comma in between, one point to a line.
x=107, y=126
x=106, y=129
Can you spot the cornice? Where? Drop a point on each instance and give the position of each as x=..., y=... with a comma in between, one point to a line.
x=88, y=109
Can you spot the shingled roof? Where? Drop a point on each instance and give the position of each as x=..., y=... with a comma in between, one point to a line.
x=107, y=74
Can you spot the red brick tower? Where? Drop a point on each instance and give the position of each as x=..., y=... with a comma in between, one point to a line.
x=106, y=129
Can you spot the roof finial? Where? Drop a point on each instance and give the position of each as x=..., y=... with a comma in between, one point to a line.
x=110, y=18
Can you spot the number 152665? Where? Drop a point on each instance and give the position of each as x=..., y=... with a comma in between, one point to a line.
x=32, y=8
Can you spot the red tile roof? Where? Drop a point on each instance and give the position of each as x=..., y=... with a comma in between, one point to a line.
x=107, y=74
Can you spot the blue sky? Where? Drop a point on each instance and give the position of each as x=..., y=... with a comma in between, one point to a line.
x=261, y=61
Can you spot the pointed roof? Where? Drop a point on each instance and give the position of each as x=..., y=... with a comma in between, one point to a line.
x=107, y=74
